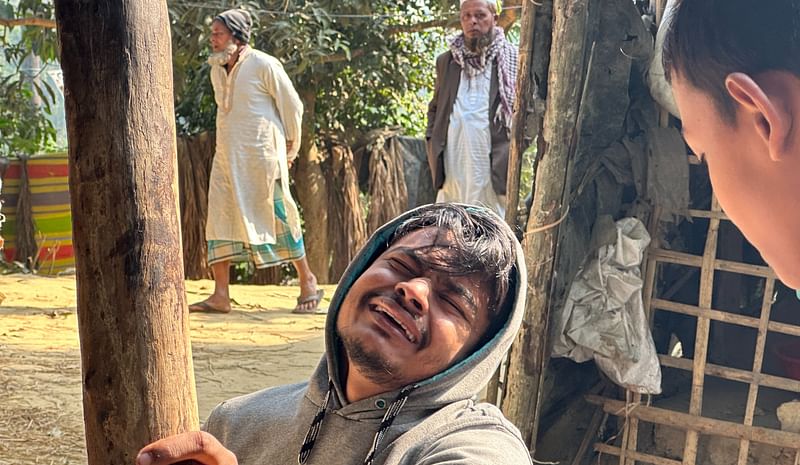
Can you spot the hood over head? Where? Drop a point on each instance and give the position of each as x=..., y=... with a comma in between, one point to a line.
x=461, y=381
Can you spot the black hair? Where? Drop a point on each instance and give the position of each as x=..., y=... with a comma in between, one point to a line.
x=709, y=39
x=474, y=241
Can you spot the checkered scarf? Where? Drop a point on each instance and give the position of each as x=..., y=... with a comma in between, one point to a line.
x=504, y=54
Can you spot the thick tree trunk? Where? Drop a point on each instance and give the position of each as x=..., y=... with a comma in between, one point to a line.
x=195, y=155
x=347, y=228
x=138, y=382
x=312, y=192
x=529, y=354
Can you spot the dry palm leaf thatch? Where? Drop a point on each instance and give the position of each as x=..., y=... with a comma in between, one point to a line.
x=346, y=227
x=388, y=195
x=26, y=235
x=195, y=155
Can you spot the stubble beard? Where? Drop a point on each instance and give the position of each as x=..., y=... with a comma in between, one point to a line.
x=222, y=57
x=369, y=364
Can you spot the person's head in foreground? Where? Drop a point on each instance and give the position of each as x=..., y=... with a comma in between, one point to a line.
x=419, y=322
x=735, y=72
x=230, y=31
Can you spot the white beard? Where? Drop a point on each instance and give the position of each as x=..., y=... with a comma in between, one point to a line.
x=222, y=58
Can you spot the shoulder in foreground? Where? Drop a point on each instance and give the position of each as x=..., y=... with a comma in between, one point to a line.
x=474, y=433
x=263, y=402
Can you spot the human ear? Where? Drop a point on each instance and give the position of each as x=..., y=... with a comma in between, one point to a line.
x=771, y=120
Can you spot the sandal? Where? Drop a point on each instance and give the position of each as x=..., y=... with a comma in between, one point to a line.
x=314, y=299
x=205, y=307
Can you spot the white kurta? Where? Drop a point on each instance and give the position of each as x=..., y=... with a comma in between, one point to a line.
x=258, y=110
x=467, y=162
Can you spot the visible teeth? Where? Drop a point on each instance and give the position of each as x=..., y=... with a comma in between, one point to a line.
x=409, y=336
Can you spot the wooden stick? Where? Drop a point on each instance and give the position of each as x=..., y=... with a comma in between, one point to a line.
x=680, y=258
x=758, y=360
x=598, y=418
x=734, y=374
x=726, y=317
x=703, y=327
x=566, y=78
x=705, y=214
x=652, y=266
x=647, y=458
x=709, y=426
x=632, y=442
x=519, y=130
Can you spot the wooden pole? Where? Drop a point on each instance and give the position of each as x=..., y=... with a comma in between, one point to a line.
x=758, y=361
x=138, y=381
x=703, y=328
x=529, y=354
x=522, y=108
x=521, y=135
x=709, y=426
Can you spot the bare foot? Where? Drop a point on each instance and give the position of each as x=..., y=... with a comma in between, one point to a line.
x=213, y=304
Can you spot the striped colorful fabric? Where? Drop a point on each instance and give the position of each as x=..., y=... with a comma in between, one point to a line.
x=48, y=178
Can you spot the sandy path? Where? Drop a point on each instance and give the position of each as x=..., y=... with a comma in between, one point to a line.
x=259, y=344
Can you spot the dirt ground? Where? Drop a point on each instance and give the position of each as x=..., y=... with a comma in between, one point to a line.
x=259, y=344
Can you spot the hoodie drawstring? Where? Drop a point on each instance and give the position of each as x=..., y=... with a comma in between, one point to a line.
x=388, y=418
x=313, y=430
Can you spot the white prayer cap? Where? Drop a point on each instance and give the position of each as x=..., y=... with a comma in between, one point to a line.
x=496, y=5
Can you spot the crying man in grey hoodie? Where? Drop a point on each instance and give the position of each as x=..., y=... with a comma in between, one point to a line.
x=419, y=323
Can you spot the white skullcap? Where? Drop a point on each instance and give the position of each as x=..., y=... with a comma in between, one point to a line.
x=497, y=5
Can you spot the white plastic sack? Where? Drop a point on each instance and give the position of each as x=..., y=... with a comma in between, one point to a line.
x=604, y=318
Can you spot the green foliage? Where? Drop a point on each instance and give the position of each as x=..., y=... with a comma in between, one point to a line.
x=342, y=56
x=25, y=98
x=24, y=128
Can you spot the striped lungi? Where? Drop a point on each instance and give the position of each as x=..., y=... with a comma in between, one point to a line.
x=285, y=248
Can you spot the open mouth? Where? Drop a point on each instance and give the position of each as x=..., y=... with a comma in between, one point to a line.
x=393, y=320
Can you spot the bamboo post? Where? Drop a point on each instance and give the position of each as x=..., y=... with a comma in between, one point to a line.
x=758, y=361
x=685, y=421
x=646, y=458
x=703, y=326
x=136, y=363
x=519, y=132
x=529, y=354
x=630, y=436
x=522, y=106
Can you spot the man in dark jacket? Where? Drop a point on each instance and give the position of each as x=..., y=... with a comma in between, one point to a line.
x=418, y=324
x=469, y=117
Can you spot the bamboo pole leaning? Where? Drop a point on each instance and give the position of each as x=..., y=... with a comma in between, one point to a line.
x=529, y=355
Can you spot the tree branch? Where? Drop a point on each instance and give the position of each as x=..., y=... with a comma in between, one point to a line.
x=419, y=27
x=342, y=57
x=36, y=22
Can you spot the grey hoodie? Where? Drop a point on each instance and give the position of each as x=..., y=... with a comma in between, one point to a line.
x=435, y=421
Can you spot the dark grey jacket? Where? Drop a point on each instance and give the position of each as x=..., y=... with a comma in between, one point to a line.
x=448, y=77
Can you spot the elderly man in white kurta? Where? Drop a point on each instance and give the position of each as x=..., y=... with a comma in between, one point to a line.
x=251, y=213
